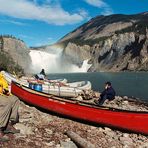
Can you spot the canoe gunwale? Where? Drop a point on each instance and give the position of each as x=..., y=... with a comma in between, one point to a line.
x=74, y=101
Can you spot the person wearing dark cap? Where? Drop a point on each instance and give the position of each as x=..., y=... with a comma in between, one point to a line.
x=108, y=93
x=41, y=75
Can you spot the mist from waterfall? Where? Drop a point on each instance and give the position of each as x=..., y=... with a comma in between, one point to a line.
x=52, y=61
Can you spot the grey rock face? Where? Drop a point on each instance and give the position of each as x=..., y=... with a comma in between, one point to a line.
x=77, y=53
x=112, y=43
x=17, y=50
x=121, y=52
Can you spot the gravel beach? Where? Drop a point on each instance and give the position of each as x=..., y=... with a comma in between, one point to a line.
x=40, y=129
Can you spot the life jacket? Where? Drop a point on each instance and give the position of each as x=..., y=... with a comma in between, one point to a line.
x=3, y=84
x=1, y=88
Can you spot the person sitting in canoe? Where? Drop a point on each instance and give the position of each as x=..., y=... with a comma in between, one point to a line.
x=9, y=105
x=108, y=93
x=41, y=75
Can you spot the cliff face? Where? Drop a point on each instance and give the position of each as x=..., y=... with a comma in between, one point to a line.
x=112, y=43
x=126, y=51
x=77, y=54
x=15, y=54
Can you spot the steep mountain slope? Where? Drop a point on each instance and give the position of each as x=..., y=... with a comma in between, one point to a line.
x=112, y=43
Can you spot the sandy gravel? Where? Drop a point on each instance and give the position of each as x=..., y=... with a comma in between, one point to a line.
x=40, y=129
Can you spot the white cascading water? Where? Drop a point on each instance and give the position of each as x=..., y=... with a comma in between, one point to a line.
x=51, y=60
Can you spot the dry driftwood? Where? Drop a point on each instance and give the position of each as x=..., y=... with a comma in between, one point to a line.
x=79, y=141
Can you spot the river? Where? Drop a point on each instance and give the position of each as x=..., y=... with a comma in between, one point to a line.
x=132, y=84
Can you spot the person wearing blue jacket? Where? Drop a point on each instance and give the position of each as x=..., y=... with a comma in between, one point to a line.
x=108, y=93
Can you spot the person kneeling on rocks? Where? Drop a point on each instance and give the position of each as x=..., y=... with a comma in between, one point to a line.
x=108, y=93
x=9, y=105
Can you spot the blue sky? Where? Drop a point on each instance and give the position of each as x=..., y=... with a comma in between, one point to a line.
x=43, y=22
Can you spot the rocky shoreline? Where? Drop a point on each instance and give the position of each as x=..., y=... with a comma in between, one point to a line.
x=40, y=129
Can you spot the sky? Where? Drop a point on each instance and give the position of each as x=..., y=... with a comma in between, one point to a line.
x=43, y=22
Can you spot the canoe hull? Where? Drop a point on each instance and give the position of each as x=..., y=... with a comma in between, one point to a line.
x=125, y=120
x=58, y=87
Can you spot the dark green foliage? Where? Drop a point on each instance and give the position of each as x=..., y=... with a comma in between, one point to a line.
x=10, y=36
x=140, y=23
x=89, y=42
x=7, y=63
x=139, y=27
x=101, y=21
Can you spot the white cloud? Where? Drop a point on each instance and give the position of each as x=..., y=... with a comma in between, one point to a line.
x=13, y=22
x=25, y=9
x=96, y=3
x=107, y=11
x=100, y=4
x=83, y=12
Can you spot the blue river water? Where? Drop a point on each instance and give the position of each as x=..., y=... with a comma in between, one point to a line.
x=132, y=84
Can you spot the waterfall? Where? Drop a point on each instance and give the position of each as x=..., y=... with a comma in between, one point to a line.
x=52, y=61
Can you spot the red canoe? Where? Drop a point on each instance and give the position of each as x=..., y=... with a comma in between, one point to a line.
x=132, y=121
